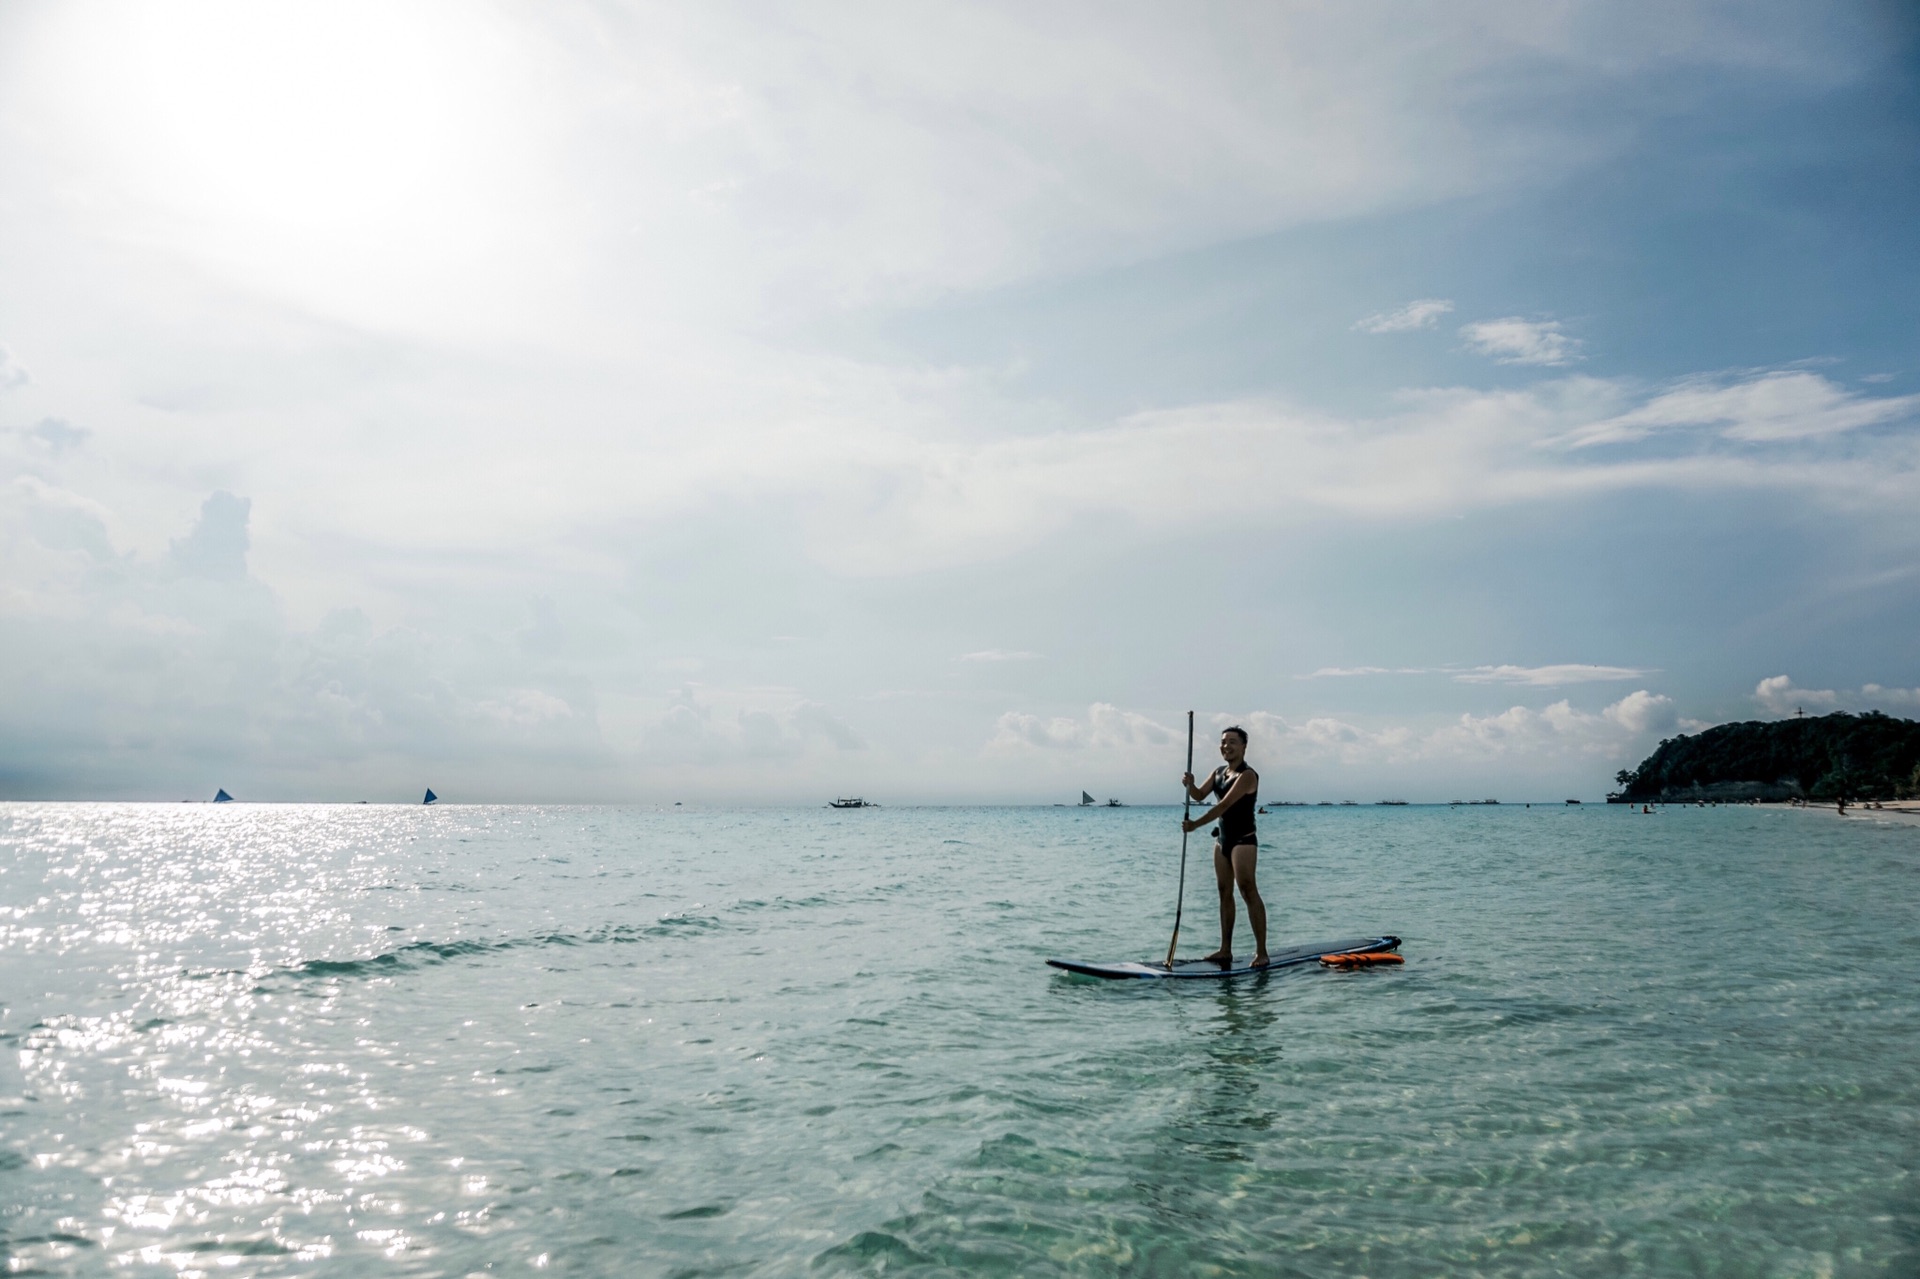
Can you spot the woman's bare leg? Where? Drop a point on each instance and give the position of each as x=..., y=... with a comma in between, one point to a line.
x=1246, y=859
x=1223, y=872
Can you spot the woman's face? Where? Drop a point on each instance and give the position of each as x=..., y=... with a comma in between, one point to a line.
x=1232, y=749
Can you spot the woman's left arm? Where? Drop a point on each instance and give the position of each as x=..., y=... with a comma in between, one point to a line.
x=1242, y=784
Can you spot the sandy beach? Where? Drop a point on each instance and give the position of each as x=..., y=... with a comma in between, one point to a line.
x=1898, y=812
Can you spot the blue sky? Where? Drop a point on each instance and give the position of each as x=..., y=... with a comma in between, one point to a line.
x=746, y=403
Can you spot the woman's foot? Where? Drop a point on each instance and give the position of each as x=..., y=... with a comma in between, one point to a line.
x=1260, y=960
x=1222, y=956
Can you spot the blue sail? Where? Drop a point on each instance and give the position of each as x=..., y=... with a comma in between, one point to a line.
x=221, y=797
x=430, y=796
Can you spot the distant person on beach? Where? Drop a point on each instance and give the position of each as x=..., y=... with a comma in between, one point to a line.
x=1236, y=851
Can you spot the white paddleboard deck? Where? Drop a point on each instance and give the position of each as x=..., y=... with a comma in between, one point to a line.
x=1242, y=965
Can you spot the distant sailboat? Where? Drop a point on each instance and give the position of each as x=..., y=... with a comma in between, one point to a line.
x=1086, y=800
x=430, y=796
x=221, y=797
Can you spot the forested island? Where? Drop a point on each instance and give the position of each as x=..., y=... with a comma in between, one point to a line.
x=1830, y=757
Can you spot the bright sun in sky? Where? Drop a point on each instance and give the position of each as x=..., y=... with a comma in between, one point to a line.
x=347, y=153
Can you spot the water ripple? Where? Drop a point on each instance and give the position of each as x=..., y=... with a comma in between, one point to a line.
x=299, y=1040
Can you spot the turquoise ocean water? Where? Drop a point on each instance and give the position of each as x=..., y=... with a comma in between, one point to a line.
x=379, y=1040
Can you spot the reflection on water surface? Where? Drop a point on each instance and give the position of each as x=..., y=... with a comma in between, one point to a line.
x=307, y=1039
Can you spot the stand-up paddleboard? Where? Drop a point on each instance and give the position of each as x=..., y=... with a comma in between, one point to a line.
x=1284, y=957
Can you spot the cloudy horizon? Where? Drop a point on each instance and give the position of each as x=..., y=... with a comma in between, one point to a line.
x=742, y=404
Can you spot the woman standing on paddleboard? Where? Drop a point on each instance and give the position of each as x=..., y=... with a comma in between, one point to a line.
x=1237, y=851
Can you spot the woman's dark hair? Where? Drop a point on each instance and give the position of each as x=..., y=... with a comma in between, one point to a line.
x=1236, y=729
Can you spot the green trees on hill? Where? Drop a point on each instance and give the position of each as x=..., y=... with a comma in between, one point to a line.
x=1839, y=756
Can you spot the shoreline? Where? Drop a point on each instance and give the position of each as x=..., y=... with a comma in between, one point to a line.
x=1894, y=812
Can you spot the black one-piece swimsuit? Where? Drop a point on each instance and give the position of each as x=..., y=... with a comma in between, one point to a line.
x=1236, y=824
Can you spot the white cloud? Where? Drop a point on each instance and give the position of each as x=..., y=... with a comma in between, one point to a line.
x=1780, y=696
x=1550, y=676
x=1530, y=676
x=1324, y=738
x=466, y=154
x=187, y=667
x=475, y=302
x=45, y=517
x=1515, y=340
x=1642, y=712
x=912, y=504
x=1105, y=727
x=589, y=180
x=524, y=707
x=1519, y=734
x=56, y=436
x=216, y=547
x=12, y=373
x=1779, y=405
x=1422, y=314
x=840, y=162
x=1558, y=730
x=707, y=727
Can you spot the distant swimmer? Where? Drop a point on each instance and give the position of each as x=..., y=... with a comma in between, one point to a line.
x=1236, y=853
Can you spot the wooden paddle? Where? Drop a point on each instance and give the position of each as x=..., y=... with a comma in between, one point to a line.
x=1186, y=811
